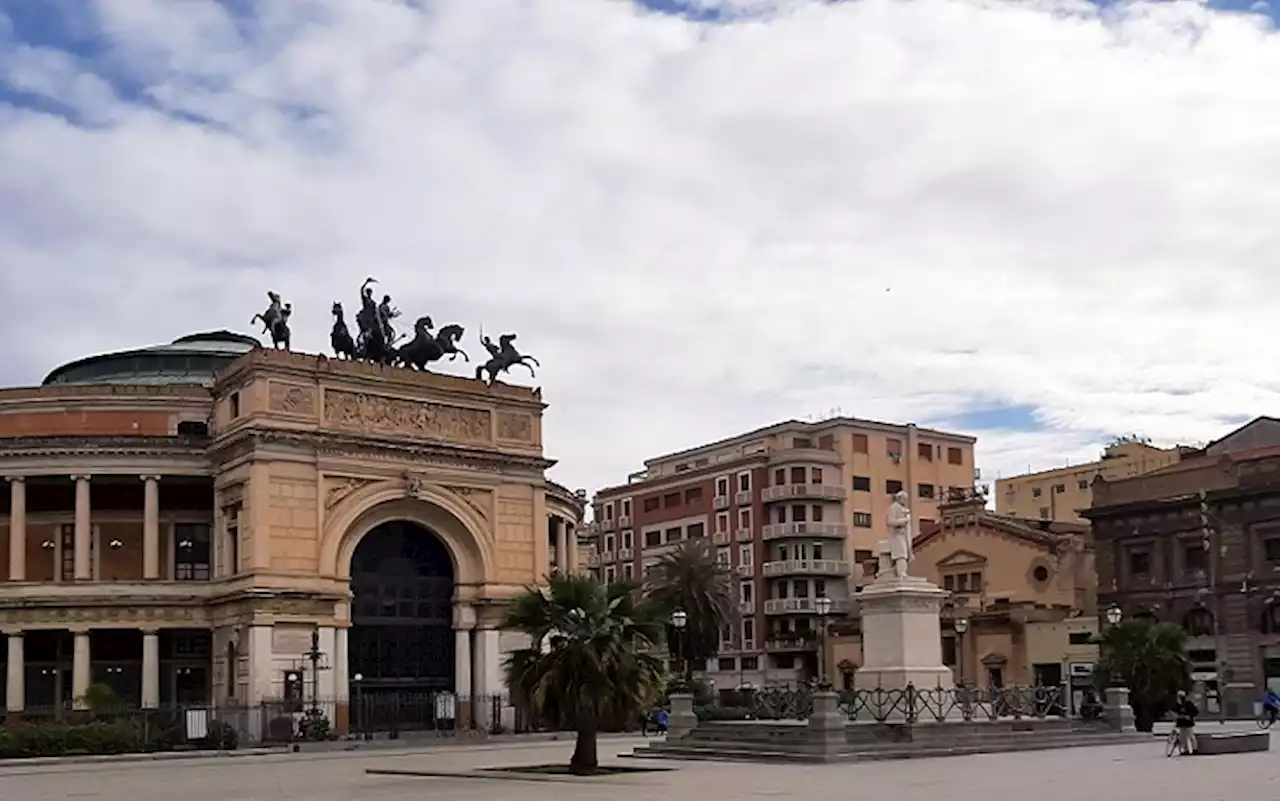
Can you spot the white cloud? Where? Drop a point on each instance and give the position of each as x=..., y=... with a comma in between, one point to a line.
x=891, y=207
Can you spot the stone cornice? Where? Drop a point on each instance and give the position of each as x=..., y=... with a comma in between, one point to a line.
x=380, y=448
x=99, y=453
x=106, y=392
x=312, y=368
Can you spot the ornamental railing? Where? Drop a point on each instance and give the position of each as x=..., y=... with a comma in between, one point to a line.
x=914, y=705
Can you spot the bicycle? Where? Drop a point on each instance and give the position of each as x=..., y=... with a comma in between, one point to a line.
x=1171, y=743
x=1266, y=719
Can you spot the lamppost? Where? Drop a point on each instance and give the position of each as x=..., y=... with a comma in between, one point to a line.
x=313, y=655
x=679, y=620
x=357, y=682
x=822, y=605
x=961, y=626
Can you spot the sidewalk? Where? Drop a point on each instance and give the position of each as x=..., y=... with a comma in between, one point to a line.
x=332, y=748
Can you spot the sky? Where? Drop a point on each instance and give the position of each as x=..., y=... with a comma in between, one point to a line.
x=1043, y=223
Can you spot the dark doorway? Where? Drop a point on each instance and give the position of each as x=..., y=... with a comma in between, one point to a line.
x=402, y=612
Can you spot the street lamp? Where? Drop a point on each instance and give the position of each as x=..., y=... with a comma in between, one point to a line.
x=1114, y=614
x=356, y=682
x=961, y=625
x=679, y=620
x=822, y=605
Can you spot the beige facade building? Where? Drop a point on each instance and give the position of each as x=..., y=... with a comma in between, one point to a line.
x=1026, y=589
x=1061, y=493
x=181, y=523
x=794, y=510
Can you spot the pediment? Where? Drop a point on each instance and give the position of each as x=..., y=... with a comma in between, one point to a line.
x=961, y=558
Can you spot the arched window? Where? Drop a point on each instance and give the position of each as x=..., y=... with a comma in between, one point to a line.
x=1198, y=622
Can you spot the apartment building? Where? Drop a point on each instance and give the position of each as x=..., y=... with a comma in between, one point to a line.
x=1061, y=493
x=794, y=510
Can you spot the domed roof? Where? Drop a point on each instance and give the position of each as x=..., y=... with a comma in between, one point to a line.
x=192, y=359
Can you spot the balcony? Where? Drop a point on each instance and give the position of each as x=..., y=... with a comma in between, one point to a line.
x=787, y=492
x=606, y=557
x=815, y=456
x=806, y=567
x=746, y=607
x=801, y=606
x=625, y=554
x=744, y=535
x=720, y=502
x=624, y=521
x=593, y=560
x=607, y=525
x=746, y=571
x=743, y=498
x=777, y=531
x=794, y=643
x=721, y=538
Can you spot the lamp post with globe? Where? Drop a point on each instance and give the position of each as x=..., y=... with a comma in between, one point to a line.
x=961, y=627
x=822, y=605
x=679, y=622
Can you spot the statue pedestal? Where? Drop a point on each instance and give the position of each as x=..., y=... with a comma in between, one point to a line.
x=901, y=637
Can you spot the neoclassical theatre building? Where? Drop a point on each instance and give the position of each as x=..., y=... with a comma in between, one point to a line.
x=180, y=519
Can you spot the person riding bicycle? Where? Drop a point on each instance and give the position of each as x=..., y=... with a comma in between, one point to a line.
x=1185, y=722
x=1271, y=705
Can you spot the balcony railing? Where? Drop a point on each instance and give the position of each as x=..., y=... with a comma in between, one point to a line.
x=624, y=521
x=746, y=570
x=786, y=492
x=803, y=643
x=747, y=607
x=776, y=531
x=606, y=557
x=720, y=538
x=720, y=502
x=625, y=554
x=743, y=498
x=780, y=456
x=744, y=535
x=593, y=560
x=800, y=606
x=607, y=525
x=806, y=567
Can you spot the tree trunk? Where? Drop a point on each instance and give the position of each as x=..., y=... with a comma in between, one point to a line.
x=1144, y=718
x=586, y=758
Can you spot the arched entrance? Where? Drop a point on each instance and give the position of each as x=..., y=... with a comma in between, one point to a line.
x=401, y=637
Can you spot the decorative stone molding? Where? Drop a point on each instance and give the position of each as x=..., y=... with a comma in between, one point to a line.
x=291, y=399
x=515, y=427
x=378, y=414
x=337, y=489
x=477, y=499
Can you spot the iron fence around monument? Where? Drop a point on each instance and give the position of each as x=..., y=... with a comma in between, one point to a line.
x=912, y=704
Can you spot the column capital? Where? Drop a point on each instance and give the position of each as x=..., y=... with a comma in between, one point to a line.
x=150, y=631
x=11, y=633
x=16, y=479
x=149, y=478
x=81, y=478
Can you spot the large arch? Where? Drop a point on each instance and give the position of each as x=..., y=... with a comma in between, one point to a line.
x=402, y=584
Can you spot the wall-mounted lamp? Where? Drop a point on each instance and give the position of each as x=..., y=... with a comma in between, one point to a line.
x=185, y=544
x=116, y=544
x=47, y=545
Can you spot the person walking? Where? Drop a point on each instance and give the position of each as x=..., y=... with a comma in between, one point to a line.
x=1185, y=722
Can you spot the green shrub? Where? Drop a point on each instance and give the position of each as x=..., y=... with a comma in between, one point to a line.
x=60, y=739
x=222, y=736
x=708, y=713
x=314, y=725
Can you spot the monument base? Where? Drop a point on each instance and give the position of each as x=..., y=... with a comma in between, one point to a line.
x=922, y=678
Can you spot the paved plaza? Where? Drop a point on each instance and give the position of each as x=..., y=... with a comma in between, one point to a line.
x=1128, y=773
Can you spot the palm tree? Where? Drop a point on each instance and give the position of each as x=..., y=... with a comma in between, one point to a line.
x=586, y=665
x=1149, y=658
x=690, y=578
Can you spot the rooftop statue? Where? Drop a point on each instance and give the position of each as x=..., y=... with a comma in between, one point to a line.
x=502, y=357
x=275, y=321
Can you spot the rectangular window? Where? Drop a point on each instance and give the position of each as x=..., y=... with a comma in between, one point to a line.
x=695, y=531
x=722, y=557
x=1083, y=484
x=746, y=591
x=859, y=442
x=1044, y=513
x=924, y=490
x=779, y=476
x=235, y=405
x=748, y=662
x=1079, y=638
x=628, y=571
x=191, y=556
x=1194, y=556
x=862, y=483
x=744, y=482
x=975, y=582
x=816, y=512
x=608, y=511
x=670, y=500
x=949, y=583
x=949, y=651
x=652, y=504
x=815, y=475
x=1036, y=492
x=748, y=636
x=744, y=555
x=1271, y=549
x=955, y=456
x=726, y=664
x=673, y=535
x=610, y=574
x=779, y=514
x=798, y=513
x=801, y=442
x=1058, y=489
x=626, y=507
x=652, y=539
x=1140, y=563
x=68, y=537
x=862, y=519
x=893, y=487
x=827, y=442
x=608, y=543
x=628, y=539
x=232, y=515
x=722, y=522
x=801, y=588
x=693, y=494
x=722, y=487
x=797, y=475
x=893, y=449
x=744, y=519
x=925, y=451
x=817, y=552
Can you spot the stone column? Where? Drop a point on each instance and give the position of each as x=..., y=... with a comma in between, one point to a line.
x=84, y=529
x=262, y=675
x=682, y=719
x=17, y=529
x=150, y=669
x=15, y=680
x=151, y=527
x=338, y=666
x=562, y=546
x=325, y=684
x=464, y=621
x=1116, y=711
x=488, y=679
x=81, y=672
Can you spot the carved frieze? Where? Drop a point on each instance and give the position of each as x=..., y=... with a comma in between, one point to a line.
x=515, y=427
x=337, y=489
x=292, y=399
x=77, y=617
x=377, y=414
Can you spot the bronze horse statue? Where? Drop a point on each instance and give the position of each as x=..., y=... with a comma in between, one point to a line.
x=340, y=337
x=502, y=357
x=275, y=321
x=425, y=347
